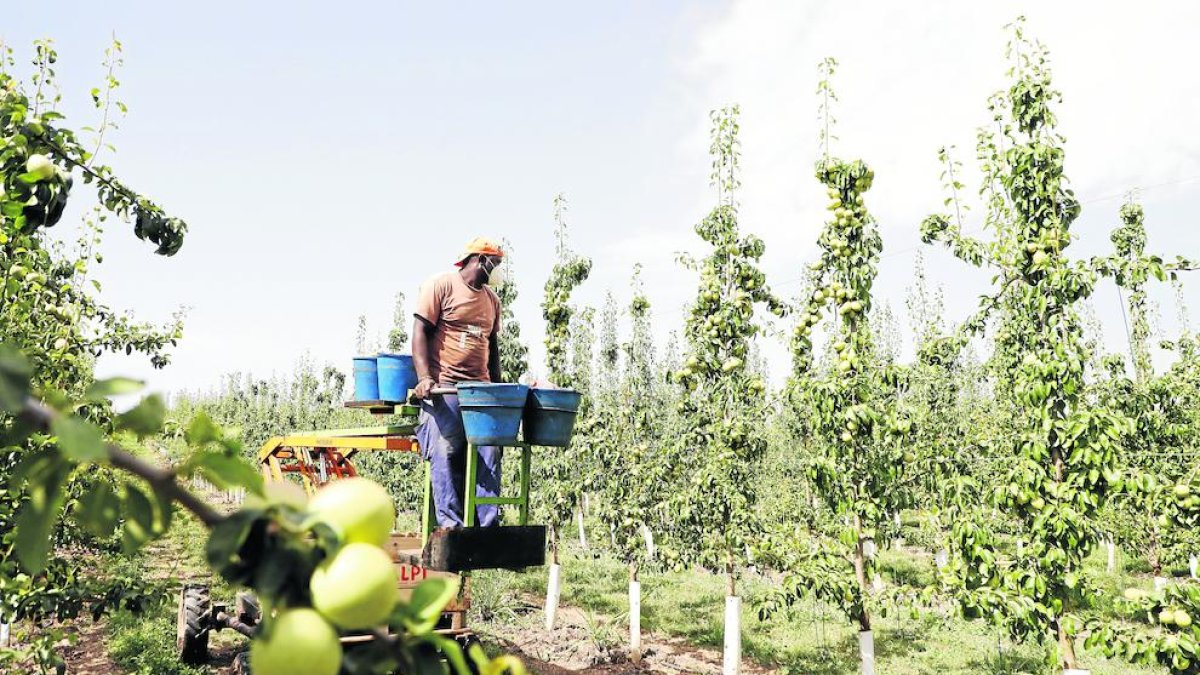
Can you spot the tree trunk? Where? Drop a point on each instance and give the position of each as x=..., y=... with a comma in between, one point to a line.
x=733, y=621
x=1066, y=647
x=582, y=533
x=860, y=573
x=635, y=615
x=553, y=583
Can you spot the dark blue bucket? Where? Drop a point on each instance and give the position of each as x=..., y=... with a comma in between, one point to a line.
x=366, y=379
x=491, y=412
x=396, y=376
x=550, y=416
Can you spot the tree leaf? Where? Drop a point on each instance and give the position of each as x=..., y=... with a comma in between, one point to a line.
x=228, y=471
x=431, y=597
x=15, y=373
x=139, y=519
x=99, y=509
x=146, y=418
x=113, y=386
x=80, y=441
x=201, y=430
x=225, y=541
x=36, y=517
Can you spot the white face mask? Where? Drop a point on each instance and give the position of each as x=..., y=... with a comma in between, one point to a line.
x=498, y=276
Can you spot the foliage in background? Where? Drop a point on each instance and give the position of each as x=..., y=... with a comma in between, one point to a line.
x=514, y=353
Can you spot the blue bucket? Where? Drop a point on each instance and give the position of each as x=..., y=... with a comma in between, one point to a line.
x=491, y=412
x=550, y=416
x=366, y=379
x=396, y=376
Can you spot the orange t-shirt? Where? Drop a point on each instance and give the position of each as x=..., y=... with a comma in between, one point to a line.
x=464, y=319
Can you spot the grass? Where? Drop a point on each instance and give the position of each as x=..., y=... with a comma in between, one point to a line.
x=810, y=639
x=145, y=643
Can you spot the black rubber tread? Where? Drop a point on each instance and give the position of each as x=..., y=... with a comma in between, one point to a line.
x=195, y=617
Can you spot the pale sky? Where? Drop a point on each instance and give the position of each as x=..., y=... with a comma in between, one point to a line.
x=327, y=155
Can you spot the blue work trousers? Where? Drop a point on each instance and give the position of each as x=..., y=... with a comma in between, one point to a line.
x=444, y=444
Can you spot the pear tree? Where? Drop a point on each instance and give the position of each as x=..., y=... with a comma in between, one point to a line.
x=1061, y=453
x=556, y=479
x=723, y=409
x=855, y=421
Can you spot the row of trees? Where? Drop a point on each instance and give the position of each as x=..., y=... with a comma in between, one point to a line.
x=1026, y=460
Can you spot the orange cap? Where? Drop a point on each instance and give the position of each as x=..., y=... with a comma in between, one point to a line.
x=479, y=246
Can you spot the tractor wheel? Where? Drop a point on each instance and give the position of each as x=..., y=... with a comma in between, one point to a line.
x=241, y=665
x=195, y=615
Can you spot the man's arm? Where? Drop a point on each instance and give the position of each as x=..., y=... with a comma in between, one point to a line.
x=494, y=357
x=422, y=334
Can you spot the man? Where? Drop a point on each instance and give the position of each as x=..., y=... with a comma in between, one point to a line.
x=456, y=339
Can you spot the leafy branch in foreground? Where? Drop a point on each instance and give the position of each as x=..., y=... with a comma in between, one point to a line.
x=294, y=556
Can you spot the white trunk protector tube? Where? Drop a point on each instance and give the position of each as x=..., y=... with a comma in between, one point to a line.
x=649, y=537
x=1193, y=565
x=869, y=548
x=1160, y=583
x=896, y=518
x=552, y=590
x=898, y=543
x=582, y=532
x=941, y=558
x=1112, y=555
x=1020, y=549
x=866, y=651
x=635, y=621
x=1076, y=671
x=877, y=582
x=733, y=636
x=4, y=635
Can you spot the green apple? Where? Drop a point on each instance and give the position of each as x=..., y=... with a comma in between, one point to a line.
x=1182, y=618
x=40, y=166
x=358, y=509
x=1040, y=258
x=1134, y=594
x=300, y=643
x=1166, y=617
x=356, y=588
x=1183, y=490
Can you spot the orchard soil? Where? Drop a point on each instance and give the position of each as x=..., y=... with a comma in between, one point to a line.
x=572, y=648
